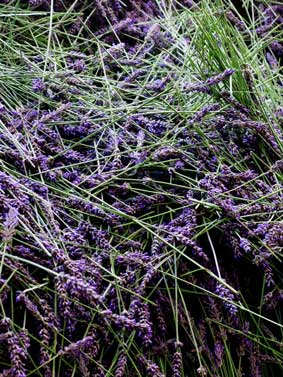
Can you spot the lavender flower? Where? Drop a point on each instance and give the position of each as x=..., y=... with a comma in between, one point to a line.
x=199, y=115
x=235, y=20
x=79, y=65
x=4, y=289
x=80, y=288
x=272, y=61
x=87, y=345
x=121, y=365
x=29, y=305
x=143, y=315
x=225, y=293
x=204, y=87
x=245, y=245
x=10, y=224
x=202, y=371
x=38, y=85
x=18, y=355
x=218, y=352
x=220, y=77
x=44, y=334
x=177, y=364
x=36, y=3
x=122, y=320
x=151, y=368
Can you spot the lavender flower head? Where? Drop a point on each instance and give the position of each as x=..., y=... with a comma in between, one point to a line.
x=79, y=65
x=38, y=85
x=225, y=293
x=10, y=224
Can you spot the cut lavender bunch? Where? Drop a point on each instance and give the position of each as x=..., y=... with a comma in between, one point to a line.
x=140, y=188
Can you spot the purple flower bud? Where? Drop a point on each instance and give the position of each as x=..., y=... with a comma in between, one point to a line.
x=272, y=61
x=18, y=355
x=225, y=293
x=87, y=345
x=177, y=364
x=38, y=85
x=121, y=365
x=151, y=368
x=79, y=65
x=10, y=224
x=245, y=245
x=218, y=352
x=44, y=334
x=240, y=25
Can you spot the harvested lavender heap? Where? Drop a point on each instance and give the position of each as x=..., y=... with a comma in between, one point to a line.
x=138, y=240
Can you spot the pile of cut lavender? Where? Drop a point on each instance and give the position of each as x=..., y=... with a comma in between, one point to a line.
x=141, y=189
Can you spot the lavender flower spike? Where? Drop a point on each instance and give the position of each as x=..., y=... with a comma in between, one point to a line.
x=214, y=80
x=38, y=85
x=10, y=224
x=223, y=292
